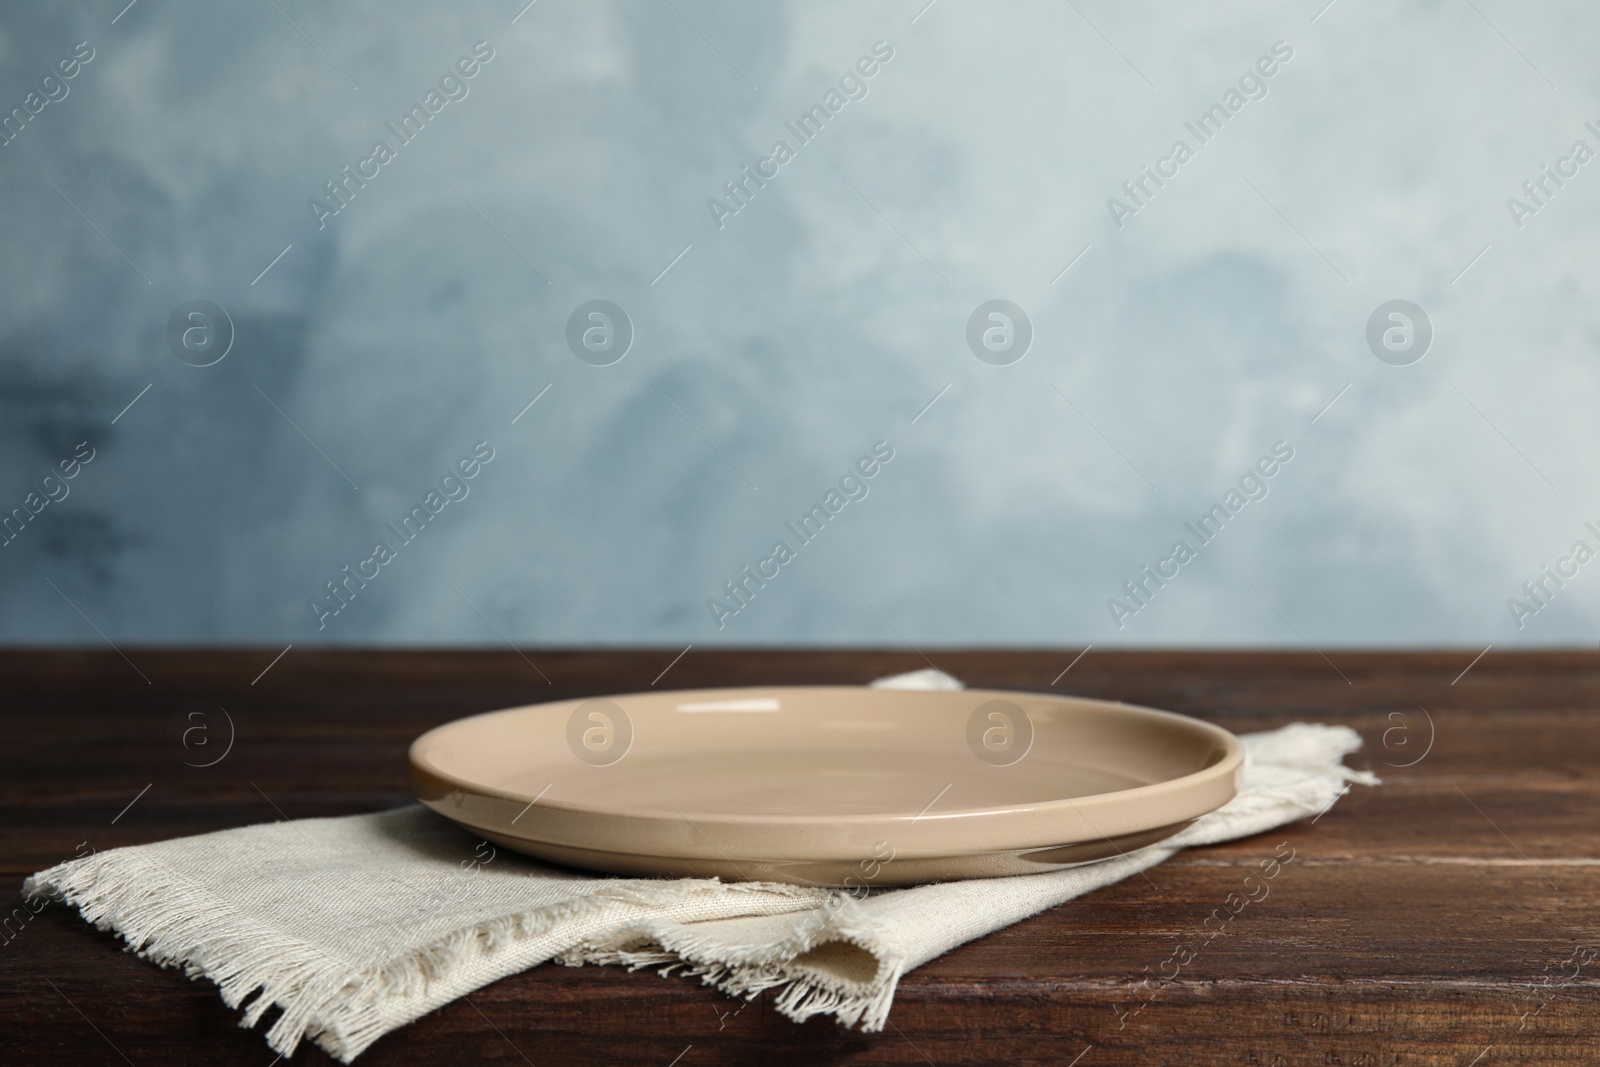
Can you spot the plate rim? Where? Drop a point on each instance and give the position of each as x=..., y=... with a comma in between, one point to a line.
x=1228, y=766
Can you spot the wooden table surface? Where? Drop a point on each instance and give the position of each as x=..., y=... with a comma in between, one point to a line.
x=1449, y=916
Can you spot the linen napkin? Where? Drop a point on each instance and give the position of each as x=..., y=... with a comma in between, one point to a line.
x=355, y=926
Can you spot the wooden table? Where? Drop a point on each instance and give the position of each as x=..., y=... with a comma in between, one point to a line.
x=1452, y=913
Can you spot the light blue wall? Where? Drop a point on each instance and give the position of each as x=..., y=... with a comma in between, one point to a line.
x=1218, y=319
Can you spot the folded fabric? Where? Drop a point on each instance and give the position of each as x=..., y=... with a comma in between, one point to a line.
x=355, y=926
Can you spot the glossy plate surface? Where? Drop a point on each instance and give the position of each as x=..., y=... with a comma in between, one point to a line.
x=825, y=785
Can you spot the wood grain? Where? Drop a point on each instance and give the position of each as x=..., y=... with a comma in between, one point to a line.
x=1429, y=921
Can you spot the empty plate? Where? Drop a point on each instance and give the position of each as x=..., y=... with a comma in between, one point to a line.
x=826, y=785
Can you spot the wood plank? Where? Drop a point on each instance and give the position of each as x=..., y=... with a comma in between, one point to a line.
x=1331, y=962
x=1423, y=922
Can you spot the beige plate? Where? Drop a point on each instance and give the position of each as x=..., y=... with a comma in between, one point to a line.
x=826, y=785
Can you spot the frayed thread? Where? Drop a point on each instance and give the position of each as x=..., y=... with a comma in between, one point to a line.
x=804, y=991
x=164, y=917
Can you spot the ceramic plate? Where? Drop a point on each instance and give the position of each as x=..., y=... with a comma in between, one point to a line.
x=826, y=785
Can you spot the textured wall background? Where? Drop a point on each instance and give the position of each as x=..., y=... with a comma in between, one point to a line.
x=1222, y=316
